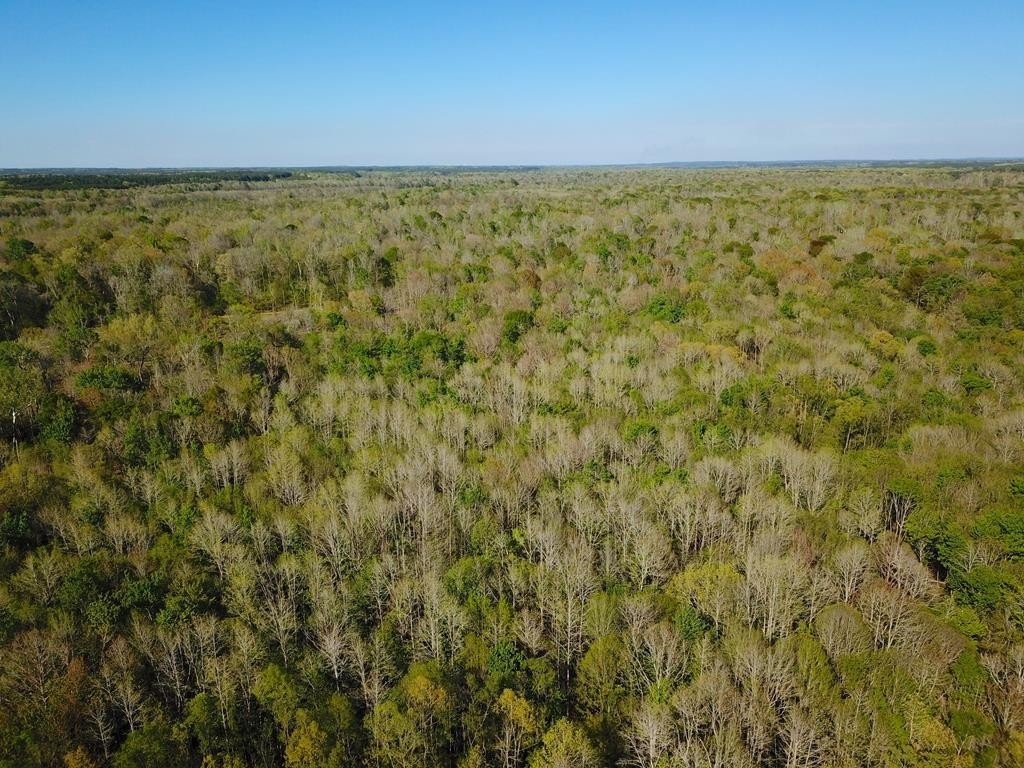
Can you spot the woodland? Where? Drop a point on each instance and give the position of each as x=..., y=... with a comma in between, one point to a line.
x=524, y=468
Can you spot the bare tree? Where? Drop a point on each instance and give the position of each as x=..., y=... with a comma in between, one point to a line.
x=650, y=737
x=850, y=566
x=774, y=592
x=566, y=586
x=889, y=615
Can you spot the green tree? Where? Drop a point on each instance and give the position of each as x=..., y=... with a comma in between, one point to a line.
x=152, y=746
x=565, y=745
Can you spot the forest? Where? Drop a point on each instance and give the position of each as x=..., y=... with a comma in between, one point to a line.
x=523, y=468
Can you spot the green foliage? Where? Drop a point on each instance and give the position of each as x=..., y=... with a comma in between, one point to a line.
x=564, y=745
x=599, y=688
x=926, y=347
x=982, y=587
x=22, y=389
x=667, y=307
x=974, y=382
x=971, y=724
x=406, y=355
x=58, y=420
x=18, y=248
x=969, y=674
x=860, y=268
x=277, y=694
x=307, y=745
x=201, y=718
x=153, y=746
x=638, y=429
x=515, y=324
x=107, y=377
x=1005, y=526
x=929, y=287
x=516, y=468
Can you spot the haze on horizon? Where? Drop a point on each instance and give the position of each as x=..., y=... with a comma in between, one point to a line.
x=115, y=84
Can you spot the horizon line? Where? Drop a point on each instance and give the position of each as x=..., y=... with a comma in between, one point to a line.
x=520, y=166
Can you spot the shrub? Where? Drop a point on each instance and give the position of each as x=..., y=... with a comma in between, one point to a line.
x=516, y=323
x=667, y=307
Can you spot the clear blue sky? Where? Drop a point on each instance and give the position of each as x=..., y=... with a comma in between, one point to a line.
x=189, y=83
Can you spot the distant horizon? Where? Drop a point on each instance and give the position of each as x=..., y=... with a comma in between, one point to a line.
x=327, y=167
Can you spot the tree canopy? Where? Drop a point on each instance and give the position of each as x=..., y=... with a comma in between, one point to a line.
x=519, y=468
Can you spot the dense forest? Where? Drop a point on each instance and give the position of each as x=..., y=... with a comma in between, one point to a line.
x=712, y=468
x=122, y=179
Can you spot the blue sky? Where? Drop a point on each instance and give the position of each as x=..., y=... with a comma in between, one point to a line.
x=111, y=83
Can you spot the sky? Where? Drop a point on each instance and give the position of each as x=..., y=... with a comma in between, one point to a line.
x=111, y=83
